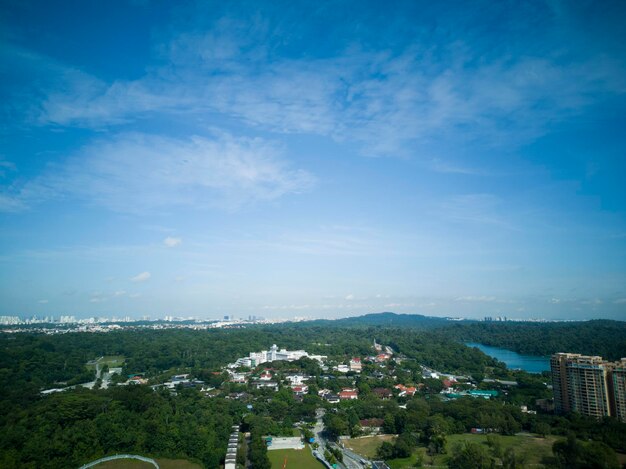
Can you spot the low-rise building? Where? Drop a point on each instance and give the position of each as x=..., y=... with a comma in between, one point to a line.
x=371, y=425
x=348, y=394
x=273, y=354
x=296, y=379
x=382, y=393
x=265, y=384
x=356, y=365
x=300, y=390
x=404, y=390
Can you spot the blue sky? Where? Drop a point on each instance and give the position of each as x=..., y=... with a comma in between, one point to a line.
x=313, y=159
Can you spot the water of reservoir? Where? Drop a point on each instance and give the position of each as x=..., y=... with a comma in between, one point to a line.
x=513, y=360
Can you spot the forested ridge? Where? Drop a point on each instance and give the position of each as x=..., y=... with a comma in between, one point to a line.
x=602, y=337
x=598, y=337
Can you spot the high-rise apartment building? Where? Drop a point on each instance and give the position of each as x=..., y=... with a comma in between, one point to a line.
x=589, y=385
x=618, y=381
x=558, y=362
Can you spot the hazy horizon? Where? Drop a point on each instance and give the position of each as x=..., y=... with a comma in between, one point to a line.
x=287, y=159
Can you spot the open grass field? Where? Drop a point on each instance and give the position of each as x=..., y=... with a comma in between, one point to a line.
x=533, y=450
x=296, y=459
x=367, y=445
x=177, y=464
x=135, y=464
x=113, y=361
x=124, y=464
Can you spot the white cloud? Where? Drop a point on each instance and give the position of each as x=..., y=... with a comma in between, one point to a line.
x=171, y=242
x=119, y=293
x=139, y=172
x=379, y=99
x=142, y=277
x=481, y=299
x=43, y=302
x=350, y=297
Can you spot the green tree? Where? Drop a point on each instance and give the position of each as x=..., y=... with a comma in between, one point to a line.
x=470, y=456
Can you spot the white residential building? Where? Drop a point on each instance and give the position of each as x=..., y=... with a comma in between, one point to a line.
x=296, y=380
x=273, y=354
x=355, y=365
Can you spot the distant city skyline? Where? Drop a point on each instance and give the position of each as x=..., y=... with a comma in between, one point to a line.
x=286, y=159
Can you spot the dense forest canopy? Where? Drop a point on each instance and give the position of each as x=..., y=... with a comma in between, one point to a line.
x=70, y=428
x=596, y=337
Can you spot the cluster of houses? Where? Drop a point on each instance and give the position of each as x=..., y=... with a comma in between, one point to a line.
x=269, y=378
x=346, y=394
x=354, y=365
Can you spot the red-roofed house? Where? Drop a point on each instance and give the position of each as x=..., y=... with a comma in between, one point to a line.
x=347, y=394
x=382, y=393
x=300, y=390
x=355, y=365
x=404, y=390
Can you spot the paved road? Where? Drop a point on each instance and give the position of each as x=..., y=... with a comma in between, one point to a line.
x=353, y=456
x=350, y=459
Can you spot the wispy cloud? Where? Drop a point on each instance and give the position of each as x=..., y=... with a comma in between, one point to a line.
x=379, y=98
x=441, y=166
x=136, y=172
x=171, y=242
x=142, y=277
x=482, y=209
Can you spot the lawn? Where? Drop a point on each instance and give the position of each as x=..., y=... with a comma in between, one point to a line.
x=367, y=445
x=296, y=459
x=113, y=361
x=177, y=464
x=135, y=464
x=530, y=448
x=124, y=464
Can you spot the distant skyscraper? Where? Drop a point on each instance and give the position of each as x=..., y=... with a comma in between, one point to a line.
x=588, y=385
